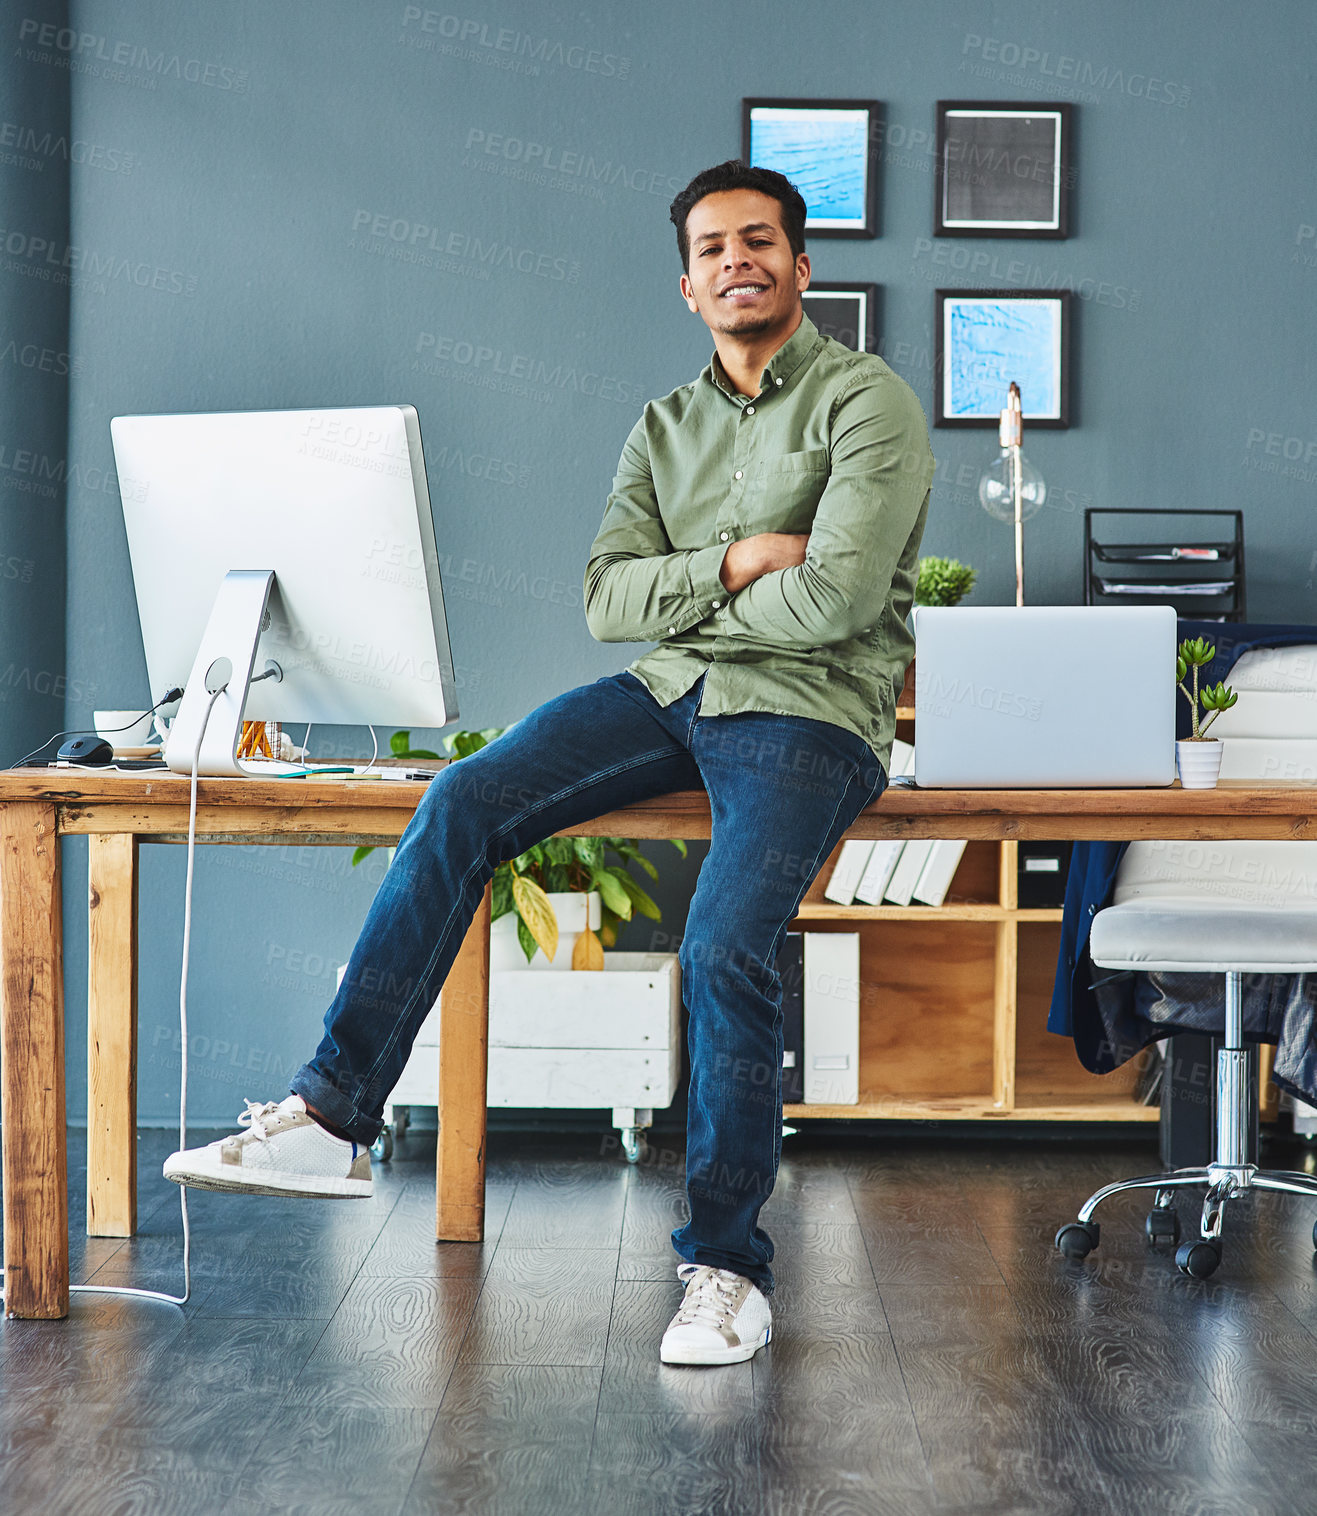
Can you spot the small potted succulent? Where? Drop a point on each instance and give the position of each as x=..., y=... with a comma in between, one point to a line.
x=1198, y=756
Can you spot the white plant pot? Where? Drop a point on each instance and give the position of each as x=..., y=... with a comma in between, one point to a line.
x=570, y=906
x=1199, y=763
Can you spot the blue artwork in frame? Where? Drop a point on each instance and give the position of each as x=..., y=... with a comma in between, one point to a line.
x=988, y=338
x=829, y=151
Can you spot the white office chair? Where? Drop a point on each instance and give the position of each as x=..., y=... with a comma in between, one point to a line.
x=1229, y=908
x=1272, y=732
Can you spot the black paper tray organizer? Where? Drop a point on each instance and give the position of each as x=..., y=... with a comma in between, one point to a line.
x=1179, y=558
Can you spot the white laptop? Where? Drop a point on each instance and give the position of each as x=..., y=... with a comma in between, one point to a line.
x=1044, y=697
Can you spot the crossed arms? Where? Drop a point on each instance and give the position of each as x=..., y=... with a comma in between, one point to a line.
x=783, y=589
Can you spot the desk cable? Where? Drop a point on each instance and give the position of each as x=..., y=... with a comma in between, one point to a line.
x=306, y=746
x=85, y=731
x=120, y=1289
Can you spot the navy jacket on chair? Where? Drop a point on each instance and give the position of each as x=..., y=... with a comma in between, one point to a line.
x=1110, y=1015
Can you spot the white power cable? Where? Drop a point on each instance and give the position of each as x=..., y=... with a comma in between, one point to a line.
x=123, y=1289
x=374, y=748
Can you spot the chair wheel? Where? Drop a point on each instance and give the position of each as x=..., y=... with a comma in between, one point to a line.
x=1198, y=1258
x=1314, y=1235
x=1163, y=1226
x=1077, y=1239
x=382, y=1147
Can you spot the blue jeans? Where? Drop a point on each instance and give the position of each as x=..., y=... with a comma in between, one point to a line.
x=782, y=790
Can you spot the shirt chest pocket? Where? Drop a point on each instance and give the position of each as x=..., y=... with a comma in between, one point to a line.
x=782, y=492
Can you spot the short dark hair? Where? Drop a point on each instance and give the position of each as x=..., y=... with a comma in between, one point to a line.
x=734, y=175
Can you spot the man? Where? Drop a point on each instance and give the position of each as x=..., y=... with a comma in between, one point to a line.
x=763, y=530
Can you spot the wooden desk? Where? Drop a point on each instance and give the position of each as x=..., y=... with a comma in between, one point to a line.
x=117, y=812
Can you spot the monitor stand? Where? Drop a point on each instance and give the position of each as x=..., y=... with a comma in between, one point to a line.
x=224, y=661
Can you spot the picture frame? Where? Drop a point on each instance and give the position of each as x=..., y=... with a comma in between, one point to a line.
x=829, y=151
x=984, y=339
x=847, y=310
x=1003, y=168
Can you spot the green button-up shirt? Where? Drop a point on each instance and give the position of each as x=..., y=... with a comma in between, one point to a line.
x=834, y=444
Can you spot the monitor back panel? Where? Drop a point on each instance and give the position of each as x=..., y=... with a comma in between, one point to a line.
x=335, y=502
x=1044, y=697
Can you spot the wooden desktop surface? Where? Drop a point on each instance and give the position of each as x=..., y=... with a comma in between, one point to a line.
x=155, y=804
x=118, y=811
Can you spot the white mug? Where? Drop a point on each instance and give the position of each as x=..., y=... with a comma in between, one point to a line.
x=123, y=728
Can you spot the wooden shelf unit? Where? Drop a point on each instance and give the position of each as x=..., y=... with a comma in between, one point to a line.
x=954, y=1002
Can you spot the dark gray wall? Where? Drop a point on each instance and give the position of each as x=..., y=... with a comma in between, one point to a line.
x=232, y=258
x=35, y=363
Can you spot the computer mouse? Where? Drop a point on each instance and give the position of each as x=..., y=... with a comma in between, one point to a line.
x=92, y=750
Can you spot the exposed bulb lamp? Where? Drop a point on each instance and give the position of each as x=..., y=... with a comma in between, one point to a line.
x=1010, y=488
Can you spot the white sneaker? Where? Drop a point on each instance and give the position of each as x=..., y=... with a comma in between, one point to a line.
x=723, y=1319
x=284, y=1151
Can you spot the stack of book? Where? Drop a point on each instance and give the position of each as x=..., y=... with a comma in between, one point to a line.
x=871, y=873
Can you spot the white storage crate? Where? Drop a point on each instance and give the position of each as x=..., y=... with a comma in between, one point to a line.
x=571, y=1040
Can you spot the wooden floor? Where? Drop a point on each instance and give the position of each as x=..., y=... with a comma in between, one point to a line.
x=931, y=1352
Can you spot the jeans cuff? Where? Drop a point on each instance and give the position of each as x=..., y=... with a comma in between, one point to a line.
x=334, y=1106
x=762, y=1281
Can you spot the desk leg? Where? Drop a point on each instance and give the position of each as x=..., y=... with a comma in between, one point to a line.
x=463, y=1063
x=36, y=1199
x=1005, y=991
x=112, y=1035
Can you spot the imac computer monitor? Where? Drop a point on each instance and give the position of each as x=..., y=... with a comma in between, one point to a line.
x=288, y=560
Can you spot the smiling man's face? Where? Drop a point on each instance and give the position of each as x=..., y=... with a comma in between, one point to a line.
x=744, y=279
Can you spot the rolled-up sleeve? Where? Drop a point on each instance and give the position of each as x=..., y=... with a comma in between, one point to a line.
x=637, y=587
x=881, y=468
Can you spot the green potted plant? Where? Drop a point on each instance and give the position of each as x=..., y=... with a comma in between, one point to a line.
x=571, y=878
x=1198, y=756
x=940, y=581
x=943, y=581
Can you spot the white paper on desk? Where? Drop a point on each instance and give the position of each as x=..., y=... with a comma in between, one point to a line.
x=902, y=760
x=1187, y=587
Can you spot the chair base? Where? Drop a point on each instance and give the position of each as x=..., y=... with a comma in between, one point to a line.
x=1227, y=1175
x=1199, y=1257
